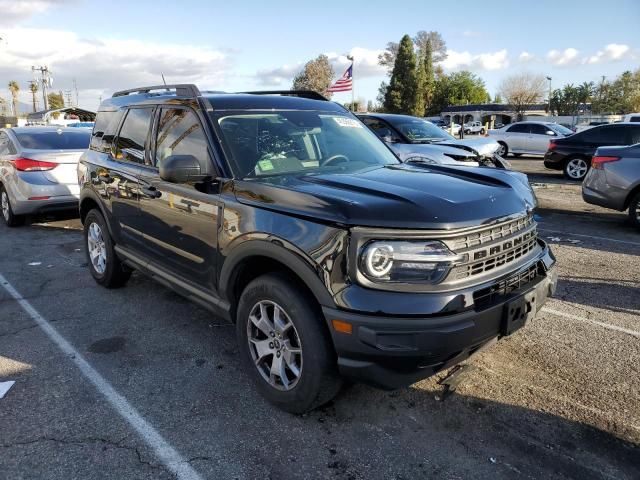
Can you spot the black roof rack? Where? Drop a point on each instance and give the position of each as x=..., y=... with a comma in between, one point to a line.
x=293, y=93
x=182, y=90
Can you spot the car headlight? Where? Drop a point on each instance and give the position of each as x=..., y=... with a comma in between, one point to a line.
x=399, y=261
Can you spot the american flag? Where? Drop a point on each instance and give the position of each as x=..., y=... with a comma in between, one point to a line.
x=344, y=83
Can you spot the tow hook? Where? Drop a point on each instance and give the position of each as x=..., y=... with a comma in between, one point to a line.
x=451, y=381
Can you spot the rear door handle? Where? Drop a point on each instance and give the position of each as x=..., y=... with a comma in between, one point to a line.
x=106, y=178
x=151, y=192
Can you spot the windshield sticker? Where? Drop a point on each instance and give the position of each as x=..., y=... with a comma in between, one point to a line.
x=265, y=165
x=347, y=122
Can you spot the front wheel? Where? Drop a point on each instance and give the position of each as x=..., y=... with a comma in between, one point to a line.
x=503, y=150
x=105, y=266
x=286, y=347
x=634, y=211
x=11, y=219
x=576, y=168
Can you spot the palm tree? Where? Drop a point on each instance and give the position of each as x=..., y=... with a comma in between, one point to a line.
x=14, y=88
x=33, y=87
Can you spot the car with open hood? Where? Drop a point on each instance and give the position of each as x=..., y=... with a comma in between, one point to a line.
x=283, y=214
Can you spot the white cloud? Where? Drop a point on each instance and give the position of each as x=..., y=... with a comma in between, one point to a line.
x=526, y=57
x=484, y=61
x=611, y=53
x=17, y=10
x=104, y=65
x=271, y=77
x=566, y=57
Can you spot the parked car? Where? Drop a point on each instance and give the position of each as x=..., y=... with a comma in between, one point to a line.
x=474, y=127
x=614, y=180
x=455, y=130
x=580, y=128
x=38, y=170
x=631, y=117
x=413, y=137
x=530, y=138
x=573, y=154
x=286, y=215
x=88, y=125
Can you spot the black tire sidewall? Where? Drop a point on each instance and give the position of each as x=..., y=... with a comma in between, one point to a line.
x=633, y=218
x=506, y=149
x=13, y=220
x=112, y=263
x=318, y=357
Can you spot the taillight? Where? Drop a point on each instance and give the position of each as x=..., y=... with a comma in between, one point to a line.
x=597, y=162
x=552, y=145
x=29, y=165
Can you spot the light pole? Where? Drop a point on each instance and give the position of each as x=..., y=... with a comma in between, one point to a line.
x=353, y=95
x=549, y=78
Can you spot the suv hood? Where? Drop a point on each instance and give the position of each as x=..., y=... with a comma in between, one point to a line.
x=396, y=196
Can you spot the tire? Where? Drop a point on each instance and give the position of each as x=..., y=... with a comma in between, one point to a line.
x=634, y=210
x=503, y=151
x=11, y=219
x=482, y=131
x=105, y=266
x=317, y=381
x=575, y=168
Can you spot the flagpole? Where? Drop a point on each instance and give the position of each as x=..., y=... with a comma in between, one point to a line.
x=353, y=94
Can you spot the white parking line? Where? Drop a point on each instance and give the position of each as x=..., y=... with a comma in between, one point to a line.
x=605, y=239
x=165, y=453
x=558, y=313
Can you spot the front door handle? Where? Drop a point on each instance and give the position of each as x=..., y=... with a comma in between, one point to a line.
x=151, y=192
x=105, y=177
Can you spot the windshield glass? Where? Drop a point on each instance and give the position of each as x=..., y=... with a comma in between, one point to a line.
x=75, y=139
x=293, y=142
x=418, y=130
x=560, y=129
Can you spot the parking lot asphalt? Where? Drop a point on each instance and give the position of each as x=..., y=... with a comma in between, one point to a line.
x=558, y=399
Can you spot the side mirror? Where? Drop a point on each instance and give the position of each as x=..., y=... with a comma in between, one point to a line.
x=550, y=133
x=181, y=169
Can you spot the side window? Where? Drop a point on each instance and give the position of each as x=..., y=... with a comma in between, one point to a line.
x=613, y=135
x=635, y=118
x=538, y=129
x=380, y=128
x=104, y=130
x=180, y=133
x=519, y=128
x=635, y=134
x=4, y=144
x=131, y=142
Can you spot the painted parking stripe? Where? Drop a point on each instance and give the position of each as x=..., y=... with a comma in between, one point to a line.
x=164, y=452
x=593, y=237
x=558, y=313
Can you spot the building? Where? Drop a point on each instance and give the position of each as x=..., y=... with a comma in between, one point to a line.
x=486, y=112
x=61, y=116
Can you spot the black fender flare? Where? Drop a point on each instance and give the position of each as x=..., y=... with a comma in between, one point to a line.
x=280, y=251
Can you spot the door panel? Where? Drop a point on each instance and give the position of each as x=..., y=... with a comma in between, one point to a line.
x=538, y=140
x=515, y=137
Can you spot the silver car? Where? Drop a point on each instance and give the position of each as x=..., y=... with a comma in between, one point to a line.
x=38, y=170
x=614, y=180
x=530, y=138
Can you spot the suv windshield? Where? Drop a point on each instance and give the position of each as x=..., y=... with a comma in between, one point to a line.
x=419, y=131
x=293, y=142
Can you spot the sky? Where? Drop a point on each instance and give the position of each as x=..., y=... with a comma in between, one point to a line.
x=248, y=45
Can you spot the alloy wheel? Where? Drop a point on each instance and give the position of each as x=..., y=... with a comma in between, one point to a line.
x=97, y=248
x=275, y=345
x=5, y=205
x=577, y=168
x=502, y=150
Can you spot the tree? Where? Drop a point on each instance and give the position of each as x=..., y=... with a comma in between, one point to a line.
x=14, y=88
x=497, y=98
x=618, y=96
x=521, y=90
x=401, y=94
x=33, y=88
x=438, y=48
x=458, y=88
x=425, y=80
x=55, y=100
x=317, y=76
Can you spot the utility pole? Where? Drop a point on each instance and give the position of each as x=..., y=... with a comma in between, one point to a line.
x=353, y=87
x=45, y=80
x=75, y=88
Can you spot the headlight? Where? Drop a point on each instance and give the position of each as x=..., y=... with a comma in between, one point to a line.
x=406, y=261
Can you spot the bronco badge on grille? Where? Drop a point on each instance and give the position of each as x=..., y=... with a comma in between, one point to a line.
x=504, y=246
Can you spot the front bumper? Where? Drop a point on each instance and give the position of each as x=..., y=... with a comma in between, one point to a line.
x=395, y=351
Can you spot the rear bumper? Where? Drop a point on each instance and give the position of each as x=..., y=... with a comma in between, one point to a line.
x=53, y=204
x=395, y=351
x=553, y=160
x=606, y=200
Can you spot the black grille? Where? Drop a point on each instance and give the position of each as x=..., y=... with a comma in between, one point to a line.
x=488, y=296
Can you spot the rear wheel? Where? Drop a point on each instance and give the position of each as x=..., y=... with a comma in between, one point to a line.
x=285, y=345
x=9, y=217
x=503, y=150
x=634, y=210
x=576, y=168
x=105, y=266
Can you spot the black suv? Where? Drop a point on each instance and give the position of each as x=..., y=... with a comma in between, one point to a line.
x=283, y=213
x=573, y=154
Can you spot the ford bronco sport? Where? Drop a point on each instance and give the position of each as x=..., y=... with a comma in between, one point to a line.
x=283, y=213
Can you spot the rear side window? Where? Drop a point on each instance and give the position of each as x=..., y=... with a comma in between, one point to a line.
x=519, y=128
x=635, y=118
x=180, y=133
x=104, y=130
x=132, y=139
x=635, y=134
x=614, y=135
x=71, y=139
